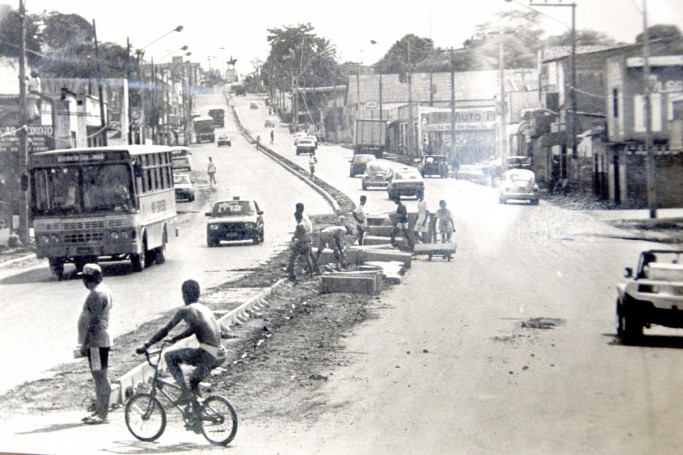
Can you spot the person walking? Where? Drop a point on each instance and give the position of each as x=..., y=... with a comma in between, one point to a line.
x=312, y=161
x=93, y=337
x=361, y=220
x=299, y=208
x=333, y=238
x=445, y=222
x=421, y=225
x=211, y=170
x=301, y=246
x=272, y=136
x=401, y=226
x=258, y=142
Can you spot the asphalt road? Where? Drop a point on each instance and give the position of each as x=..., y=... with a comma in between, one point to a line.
x=509, y=348
x=38, y=327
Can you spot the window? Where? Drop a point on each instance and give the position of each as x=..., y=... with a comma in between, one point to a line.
x=615, y=102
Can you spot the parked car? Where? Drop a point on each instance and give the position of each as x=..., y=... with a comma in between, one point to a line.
x=305, y=146
x=236, y=219
x=358, y=163
x=181, y=159
x=434, y=165
x=653, y=295
x=269, y=123
x=406, y=181
x=520, y=185
x=299, y=135
x=253, y=105
x=184, y=186
x=377, y=173
x=320, y=136
x=224, y=139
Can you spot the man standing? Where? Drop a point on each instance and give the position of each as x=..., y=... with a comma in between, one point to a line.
x=421, y=225
x=401, y=224
x=361, y=220
x=212, y=172
x=93, y=337
x=312, y=161
x=272, y=137
x=301, y=246
x=201, y=323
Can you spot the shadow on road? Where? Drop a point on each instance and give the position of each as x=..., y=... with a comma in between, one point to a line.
x=135, y=447
x=650, y=341
x=53, y=428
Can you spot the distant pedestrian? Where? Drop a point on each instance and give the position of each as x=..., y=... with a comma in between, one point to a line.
x=401, y=225
x=312, y=161
x=272, y=136
x=258, y=142
x=421, y=225
x=301, y=246
x=333, y=238
x=93, y=337
x=212, y=172
x=445, y=222
x=361, y=220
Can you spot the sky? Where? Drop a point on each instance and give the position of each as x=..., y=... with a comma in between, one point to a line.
x=215, y=30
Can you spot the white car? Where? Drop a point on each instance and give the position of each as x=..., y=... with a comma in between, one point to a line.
x=519, y=185
x=654, y=295
x=184, y=186
x=298, y=136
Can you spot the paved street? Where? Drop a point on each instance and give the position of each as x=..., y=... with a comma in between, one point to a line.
x=509, y=348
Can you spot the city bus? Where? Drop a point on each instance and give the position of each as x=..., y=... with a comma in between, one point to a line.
x=102, y=204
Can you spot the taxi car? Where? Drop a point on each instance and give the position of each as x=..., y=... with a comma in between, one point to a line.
x=181, y=159
x=405, y=181
x=520, y=185
x=224, y=139
x=253, y=106
x=358, y=163
x=434, y=165
x=654, y=295
x=298, y=136
x=377, y=173
x=235, y=219
x=269, y=123
x=184, y=186
x=305, y=146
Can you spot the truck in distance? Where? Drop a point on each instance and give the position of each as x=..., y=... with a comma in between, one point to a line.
x=370, y=136
x=204, y=129
x=218, y=116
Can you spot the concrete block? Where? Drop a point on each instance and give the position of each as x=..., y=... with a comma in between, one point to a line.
x=376, y=240
x=381, y=231
x=377, y=219
x=382, y=246
x=362, y=284
x=382, y=255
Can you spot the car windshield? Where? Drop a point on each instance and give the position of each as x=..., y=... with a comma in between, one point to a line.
x=233, y=208
x=179, y=179
x=305, y=142
x=520, y=176
x=406, y=175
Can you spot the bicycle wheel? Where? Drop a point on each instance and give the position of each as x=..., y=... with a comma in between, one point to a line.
x=219, y=421
x=145, y=417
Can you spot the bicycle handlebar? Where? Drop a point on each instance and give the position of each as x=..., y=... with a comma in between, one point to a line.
x=149, y=354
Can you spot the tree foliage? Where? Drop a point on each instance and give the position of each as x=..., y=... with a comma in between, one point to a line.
x=10, y=36
x=64, y=31
x=298, y=56
x=78, y=61
x=660, y=31
x=405, y=55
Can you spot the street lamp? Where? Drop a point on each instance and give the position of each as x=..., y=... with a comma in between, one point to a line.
x=184, y=48
x=177, y=29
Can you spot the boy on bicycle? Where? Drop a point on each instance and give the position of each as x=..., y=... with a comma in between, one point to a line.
x=201, y=323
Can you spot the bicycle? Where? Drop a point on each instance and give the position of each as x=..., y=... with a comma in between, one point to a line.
x=145, y=415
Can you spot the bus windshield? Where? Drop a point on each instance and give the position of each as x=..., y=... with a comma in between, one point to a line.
x=83, y=189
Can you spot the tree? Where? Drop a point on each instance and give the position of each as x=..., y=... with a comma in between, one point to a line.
x=583, y=38
x=63, y=31
x=660, y=31
x=78, y=61
x=405, y=54
x=10, y=36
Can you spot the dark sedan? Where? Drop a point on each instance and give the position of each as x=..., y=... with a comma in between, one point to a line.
x=236, y=219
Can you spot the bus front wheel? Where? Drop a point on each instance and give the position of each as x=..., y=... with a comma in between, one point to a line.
x=57, y=268
x=139, y=261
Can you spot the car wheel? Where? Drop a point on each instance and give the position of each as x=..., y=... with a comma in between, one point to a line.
x=139, y=261
x=629, y=326
x=211, y=242
x=501, y=200
x=160, y=254
x=365, y=187
x=57, y=268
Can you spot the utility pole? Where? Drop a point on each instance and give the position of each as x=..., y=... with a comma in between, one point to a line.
x=572, y=89
x=503, y=119
x=651, y=165
x=25, y=189
x=103, y=119
x=409, y=133
x=380, y=95
x=453, y=104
